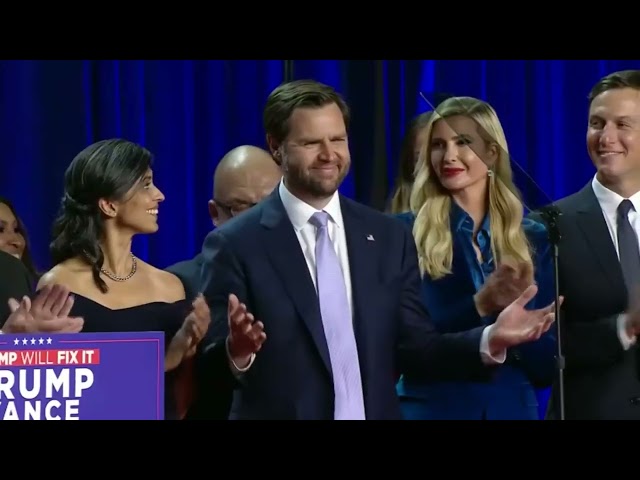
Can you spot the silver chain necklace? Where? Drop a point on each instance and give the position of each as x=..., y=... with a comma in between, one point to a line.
x=116, y=278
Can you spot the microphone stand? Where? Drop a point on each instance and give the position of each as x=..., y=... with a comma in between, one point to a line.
x=550, y=215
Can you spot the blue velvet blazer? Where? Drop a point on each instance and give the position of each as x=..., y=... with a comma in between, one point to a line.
x=507, y=391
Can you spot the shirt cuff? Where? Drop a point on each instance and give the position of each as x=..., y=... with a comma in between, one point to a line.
x=485, y=353
x=237, y=370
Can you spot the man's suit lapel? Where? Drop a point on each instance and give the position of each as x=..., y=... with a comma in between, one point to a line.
x=591, y=221
x=283, y=249
x=364, y=268
x=361, y=245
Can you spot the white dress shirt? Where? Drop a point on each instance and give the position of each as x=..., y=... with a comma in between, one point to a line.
x=300, y=213
x=609, y=202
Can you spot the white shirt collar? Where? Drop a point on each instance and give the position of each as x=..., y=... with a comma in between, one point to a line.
x=300, y=212
x=610, y=200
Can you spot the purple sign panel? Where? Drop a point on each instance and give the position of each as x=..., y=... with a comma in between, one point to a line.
x=82, y=376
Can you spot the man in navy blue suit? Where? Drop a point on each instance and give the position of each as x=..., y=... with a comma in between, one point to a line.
x=333, y=284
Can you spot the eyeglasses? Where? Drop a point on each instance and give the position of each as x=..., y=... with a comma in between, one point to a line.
x=236, y=208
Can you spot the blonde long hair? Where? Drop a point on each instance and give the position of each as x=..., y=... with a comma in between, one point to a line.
x=431, y=203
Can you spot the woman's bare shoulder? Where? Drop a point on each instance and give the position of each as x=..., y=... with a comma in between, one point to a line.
x=166, y=283
x=68, y=273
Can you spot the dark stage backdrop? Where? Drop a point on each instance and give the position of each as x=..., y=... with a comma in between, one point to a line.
x=189, y=113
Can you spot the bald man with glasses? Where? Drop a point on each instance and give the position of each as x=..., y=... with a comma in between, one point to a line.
x=243, y=177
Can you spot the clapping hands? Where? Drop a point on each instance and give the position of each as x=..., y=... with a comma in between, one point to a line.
x=246, y=335
x=185, y=343
x=503, y=287
x=516, y=325
x=632, y=321
x=48, y=312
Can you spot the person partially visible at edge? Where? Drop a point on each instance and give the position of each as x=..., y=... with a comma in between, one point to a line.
x=477, y=255
x=315, y=297
x=24, y=311
x=110, y=196
x=599, y=263
x=21, y=310
x=413, y=141
x=14, y=238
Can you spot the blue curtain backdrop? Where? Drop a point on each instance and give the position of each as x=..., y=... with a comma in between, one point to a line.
x=190, y=113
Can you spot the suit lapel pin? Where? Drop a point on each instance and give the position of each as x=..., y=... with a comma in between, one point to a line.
x=370, y=238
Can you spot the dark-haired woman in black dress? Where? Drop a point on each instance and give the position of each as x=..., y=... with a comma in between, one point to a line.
x=109, y=197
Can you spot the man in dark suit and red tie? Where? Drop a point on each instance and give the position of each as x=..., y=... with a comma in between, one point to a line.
x=332, y=286
x=599, y=263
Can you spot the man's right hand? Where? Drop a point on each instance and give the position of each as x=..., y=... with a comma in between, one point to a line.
x=516, y=325
x=48, y=312
x=503, y=287
x=246, y=336
x=632, y=322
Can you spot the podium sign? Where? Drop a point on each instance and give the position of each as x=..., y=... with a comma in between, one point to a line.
x=82, y=376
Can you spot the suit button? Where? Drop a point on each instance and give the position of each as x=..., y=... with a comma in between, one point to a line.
x=634, y=401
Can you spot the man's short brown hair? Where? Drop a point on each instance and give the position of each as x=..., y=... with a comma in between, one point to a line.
x=298, y=94
x=615, y=80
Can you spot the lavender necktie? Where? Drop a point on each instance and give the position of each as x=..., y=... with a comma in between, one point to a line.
x=338, y=326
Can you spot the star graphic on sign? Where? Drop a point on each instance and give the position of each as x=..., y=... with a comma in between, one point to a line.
x=48, y=341
x=40, y=341
x=24, y=341
x=16, y=341
x=33, y=341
